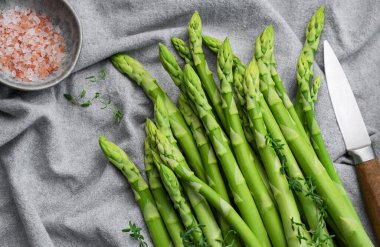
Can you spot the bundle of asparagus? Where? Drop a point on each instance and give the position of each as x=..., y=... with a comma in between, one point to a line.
x=248, y=161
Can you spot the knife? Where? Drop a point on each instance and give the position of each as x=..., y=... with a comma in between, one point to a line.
x=355, y=136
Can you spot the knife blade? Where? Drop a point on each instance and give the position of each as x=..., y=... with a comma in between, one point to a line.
x=355, y=135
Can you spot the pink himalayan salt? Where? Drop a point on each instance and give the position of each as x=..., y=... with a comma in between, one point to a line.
x=31, y=48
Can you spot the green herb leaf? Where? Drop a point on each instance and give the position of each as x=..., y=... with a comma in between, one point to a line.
x=83, y=94
x=134, y=232
x=69, y=97
x=118, y=115
x=86, y=104
x=102, y=74
x=91, y=78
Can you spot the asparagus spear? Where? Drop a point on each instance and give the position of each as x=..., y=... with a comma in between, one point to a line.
x=264, y=48
x=164, y=205
x=247, y=160
x=210, y=162
x=336, y=204
x=315, y=89
x=239, y=69
x=183, y=50
x=264, y=51
x=201, y=208
x=135, y=71
x=313, y=33
x=238, y=89
x=173, y=158
x=162, y=119
x=170, y=64
x=143, y=196
x=175, y=192
x=238, y=185
x=282, y=193
x=214, y=44
x=195, y=32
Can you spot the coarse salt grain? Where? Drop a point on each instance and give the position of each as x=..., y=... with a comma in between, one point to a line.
x=31, y=47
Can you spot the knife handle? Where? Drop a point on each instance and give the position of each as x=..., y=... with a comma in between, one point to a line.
x=369, y=180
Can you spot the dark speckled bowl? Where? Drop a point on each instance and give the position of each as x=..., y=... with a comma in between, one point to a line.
x=63, y=16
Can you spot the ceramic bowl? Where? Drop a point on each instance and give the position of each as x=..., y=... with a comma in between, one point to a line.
x=63, y=16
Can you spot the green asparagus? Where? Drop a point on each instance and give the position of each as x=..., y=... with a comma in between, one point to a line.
x=264, y=52
x=182, y=50
x=264, y=47
x=173, y=158
x=238, y=185
x=313, y=33
x=195, y=32
x=247, y=160
x=134, y=70
x=175, y=192
x=336, y=203
x=282, y=193
x=201, y=208
x=143, y=196
x=210, y=162
x=164, y=205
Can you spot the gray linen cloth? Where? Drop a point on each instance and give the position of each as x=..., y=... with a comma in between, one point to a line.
x=57, y=189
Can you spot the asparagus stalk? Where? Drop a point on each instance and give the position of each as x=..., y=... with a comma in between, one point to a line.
x=175, y=192
x=239, y=69
x=143, y=196
x=247, y=160
x=282, y=193
x=135, y=71
x=183, y=50
x=162, y=119
x=315, y=89
x=336, y=204
x=304, y=76
x=195, y=32
x=313, y=214
x=201, y=208
x=214, y=44
x=173, y=158
x=210, y=162
x=313, y=34
x=238, y=185
x=239, y=92
x=264, y=51
x=170, y=64
x=164, y=205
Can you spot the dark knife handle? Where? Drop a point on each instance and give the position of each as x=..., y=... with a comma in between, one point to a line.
x=369, y=180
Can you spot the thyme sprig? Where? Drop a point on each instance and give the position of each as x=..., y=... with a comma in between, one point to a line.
x=296, y=185
x=82, y=101
x=135, y=233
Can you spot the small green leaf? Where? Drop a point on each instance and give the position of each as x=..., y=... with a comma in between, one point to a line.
x=69, y=97
x=86, y=104
x=102, y=74
x=83, y=94
x=91, y=78
x=118, y=115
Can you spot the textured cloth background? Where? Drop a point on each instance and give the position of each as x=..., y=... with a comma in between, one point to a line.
x=57, y=189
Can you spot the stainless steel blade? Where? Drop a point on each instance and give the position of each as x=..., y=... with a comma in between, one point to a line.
x=346, y=109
